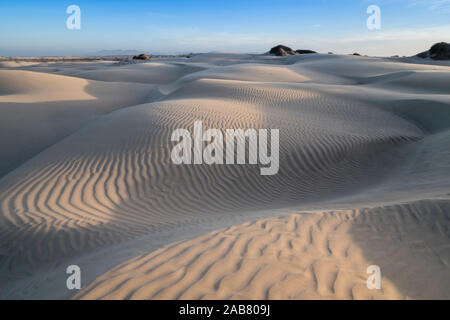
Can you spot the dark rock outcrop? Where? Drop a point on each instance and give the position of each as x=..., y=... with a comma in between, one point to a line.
x=142, y=56
x=423, y=55
x=305, y=51
x=283, y=51
x=439, y=51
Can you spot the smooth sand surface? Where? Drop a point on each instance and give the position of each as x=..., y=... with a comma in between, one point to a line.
x=88, y=180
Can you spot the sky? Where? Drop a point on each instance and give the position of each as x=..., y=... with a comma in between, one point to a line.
x=34, y=28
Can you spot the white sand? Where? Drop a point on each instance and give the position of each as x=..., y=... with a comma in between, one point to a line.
x=363, y=180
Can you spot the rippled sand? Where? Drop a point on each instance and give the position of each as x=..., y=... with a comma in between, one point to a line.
x=87, y=179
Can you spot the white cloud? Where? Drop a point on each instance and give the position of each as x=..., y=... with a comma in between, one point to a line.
x=378, y=43
x=441, y=5
x=438, y=32
x=391, y=42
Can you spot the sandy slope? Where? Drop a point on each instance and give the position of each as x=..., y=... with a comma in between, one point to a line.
x=301, y=256
x=40, y=109
x=363, y=180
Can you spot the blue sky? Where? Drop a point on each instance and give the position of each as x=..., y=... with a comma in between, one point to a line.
x=39, y=27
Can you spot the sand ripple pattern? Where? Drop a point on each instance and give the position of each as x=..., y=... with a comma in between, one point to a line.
x=319, y=255
x=113, y=180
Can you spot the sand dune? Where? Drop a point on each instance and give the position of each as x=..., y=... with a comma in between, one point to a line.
x=155, y=73
x=39, y=109
x=362, y=176
x=301, y=256
x=25, y=86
